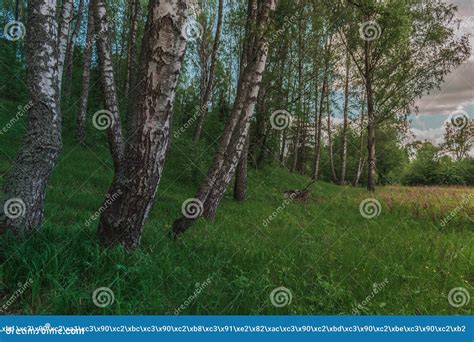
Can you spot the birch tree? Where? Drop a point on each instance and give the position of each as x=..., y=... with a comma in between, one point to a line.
x=112, y=115
x=86, y=70
x=63, y=38
x=208, y=72
x=235, y=133
x=163, y=48
x=26, y=184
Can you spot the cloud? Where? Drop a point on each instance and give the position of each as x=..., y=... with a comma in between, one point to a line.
x=457, y=92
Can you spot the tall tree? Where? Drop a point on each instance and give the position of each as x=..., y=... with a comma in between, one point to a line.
x=401, y=51
x=104, y=51
x=68, y=62
x=134, y=8
x=208, y=72
x=324, y=92
x=63, y=38
x=86, y=70
x=152, y=100
x=25, y=186
x=240, y=185
x=235, y=133
x=459, y=137
x=342, y=177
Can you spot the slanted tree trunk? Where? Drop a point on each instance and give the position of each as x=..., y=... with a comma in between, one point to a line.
x=81, y=116
x=162, y=52
x=63, y=38
x=25, y=186
x=371, y=161
x=235, y=133
x=342, y=179
x=132, y=45
x=210, y=75
x=240, y=185
x=70, y=51
x=104, y=50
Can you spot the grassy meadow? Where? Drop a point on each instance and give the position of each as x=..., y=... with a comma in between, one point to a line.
x=322, y=250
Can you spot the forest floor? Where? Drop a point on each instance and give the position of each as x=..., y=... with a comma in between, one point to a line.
x=329, y=257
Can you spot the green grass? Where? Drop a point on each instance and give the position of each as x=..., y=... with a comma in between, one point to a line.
x=322, y=250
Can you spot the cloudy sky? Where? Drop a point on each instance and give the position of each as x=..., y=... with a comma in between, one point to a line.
x=457, y=92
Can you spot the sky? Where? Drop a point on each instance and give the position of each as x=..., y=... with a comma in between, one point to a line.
x=456, y=93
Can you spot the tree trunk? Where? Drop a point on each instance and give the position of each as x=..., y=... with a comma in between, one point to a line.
x=360, y=165
x=316, y=91
x=112, y=116
x=25, y=186
x=324, y=92
x=63, y=38
x=296, y=143
x=259, y=149
x=235, y=133
x=342, y=179
x=240, y=185
x=317, y=154
x=70, y=51
x=209, y=83
x=132, y=45
x=162, y=52
x=330, y=142
x=371, y=161
x=81, y=116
